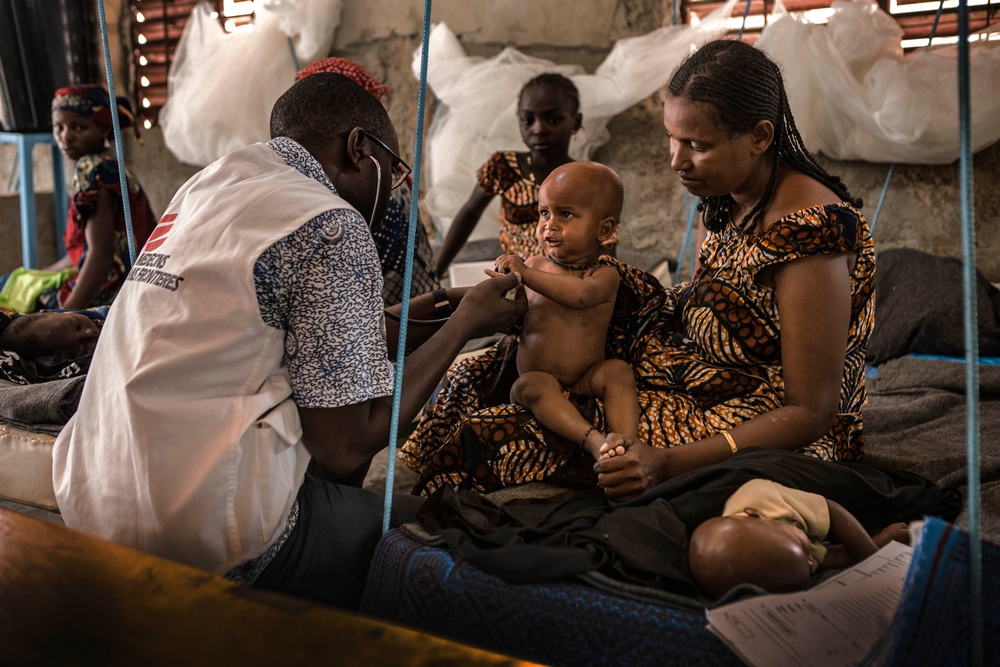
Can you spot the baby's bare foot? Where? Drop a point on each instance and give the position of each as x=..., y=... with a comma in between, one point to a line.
x=614, y=445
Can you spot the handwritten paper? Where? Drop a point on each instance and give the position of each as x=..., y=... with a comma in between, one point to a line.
x=834, y=624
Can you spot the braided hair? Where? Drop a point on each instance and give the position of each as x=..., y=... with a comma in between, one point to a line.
x=559, y=82
x=745, y=86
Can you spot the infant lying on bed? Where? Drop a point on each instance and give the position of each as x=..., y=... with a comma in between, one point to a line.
x=571, y=297
x=38, y=334
x=770, y=535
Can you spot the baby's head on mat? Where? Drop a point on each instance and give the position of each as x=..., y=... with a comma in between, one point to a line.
x=749, y=549
x=38, y=334
x=579, y=205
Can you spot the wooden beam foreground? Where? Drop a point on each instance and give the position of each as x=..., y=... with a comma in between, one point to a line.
x=67, y=598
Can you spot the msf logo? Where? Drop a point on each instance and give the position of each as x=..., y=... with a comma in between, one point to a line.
x=159, y=235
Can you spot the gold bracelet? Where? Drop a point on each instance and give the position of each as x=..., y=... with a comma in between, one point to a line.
x=729, y=439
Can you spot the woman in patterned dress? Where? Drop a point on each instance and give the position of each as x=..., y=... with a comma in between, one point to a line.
x=548, y=112
x=764, y=347
x=96, y=237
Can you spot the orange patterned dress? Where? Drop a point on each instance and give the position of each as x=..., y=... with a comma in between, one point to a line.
x=706, y=354
x=501, y=175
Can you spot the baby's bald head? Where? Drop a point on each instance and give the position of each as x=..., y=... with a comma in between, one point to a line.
x=590, y=185
x=732, y=550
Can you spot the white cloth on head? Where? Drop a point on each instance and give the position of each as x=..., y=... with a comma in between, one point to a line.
x=187, y=443
x=477, y=115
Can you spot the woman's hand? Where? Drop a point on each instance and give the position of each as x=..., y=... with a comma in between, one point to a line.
x=627, y=475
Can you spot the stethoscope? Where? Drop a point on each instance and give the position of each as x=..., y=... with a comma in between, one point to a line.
x=371, y=224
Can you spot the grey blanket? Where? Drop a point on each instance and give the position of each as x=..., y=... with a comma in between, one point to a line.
x=915, y=421
x=918, y=308
x=43, y=407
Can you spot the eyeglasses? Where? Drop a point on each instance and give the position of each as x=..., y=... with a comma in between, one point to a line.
x=402, y=169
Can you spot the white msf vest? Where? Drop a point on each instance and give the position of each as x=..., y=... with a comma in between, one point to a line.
x=187, y=443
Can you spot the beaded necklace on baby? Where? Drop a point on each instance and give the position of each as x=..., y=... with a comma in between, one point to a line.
x=573, y=267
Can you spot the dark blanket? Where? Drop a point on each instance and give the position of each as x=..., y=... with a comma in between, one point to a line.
x=918, y=308
x=60, y=365
x=44, y=407
x=644, y=541
x=915, y=420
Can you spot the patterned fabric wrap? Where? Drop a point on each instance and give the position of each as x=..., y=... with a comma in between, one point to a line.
x=93, y=173
x=90, y=100
x=348, y=68
x=556, y=623
x=390, y=241
x=706, y=354
x=501, y=175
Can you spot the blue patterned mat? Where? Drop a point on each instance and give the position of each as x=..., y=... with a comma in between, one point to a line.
x=563, y=624
x=932, y=625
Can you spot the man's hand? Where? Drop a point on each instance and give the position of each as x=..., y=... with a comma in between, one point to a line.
x=484, y=311
x=344, y=438
x=510, y=264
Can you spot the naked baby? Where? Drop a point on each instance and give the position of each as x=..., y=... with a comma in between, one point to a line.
x=571, y=297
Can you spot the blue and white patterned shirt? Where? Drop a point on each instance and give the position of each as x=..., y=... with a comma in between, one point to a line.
x=322, y=285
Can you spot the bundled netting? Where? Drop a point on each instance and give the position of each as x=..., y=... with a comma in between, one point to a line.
x=215, y=73
x=477, y=113
x=856, y=96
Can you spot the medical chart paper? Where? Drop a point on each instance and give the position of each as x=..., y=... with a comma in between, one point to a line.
x=467, y=274
x=834, y=624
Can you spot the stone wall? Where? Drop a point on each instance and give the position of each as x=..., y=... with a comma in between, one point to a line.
x=921, y=209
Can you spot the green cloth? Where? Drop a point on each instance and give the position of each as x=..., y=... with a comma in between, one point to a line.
x=24, y=286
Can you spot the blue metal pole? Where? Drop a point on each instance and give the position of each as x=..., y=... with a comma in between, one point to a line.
x=692, y=214
x=743, y=26
x=411, y=242
x=59, y=198
x=119, y=151
x=892, y=167
x=295, y=58
x=881, y=199
x=934, y=27
x=687, y=237
x=971, y=333
x=29, y=239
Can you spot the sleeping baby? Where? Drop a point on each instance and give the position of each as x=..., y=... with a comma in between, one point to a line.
x=772, y=536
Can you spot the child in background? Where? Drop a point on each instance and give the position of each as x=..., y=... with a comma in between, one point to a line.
x=96, y=239
x=571, y=298
x=770, y=536
x=548, y=114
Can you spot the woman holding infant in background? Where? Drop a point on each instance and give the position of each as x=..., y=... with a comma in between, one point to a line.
x=764, y=347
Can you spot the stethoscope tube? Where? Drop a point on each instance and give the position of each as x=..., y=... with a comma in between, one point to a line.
x=420, y=323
